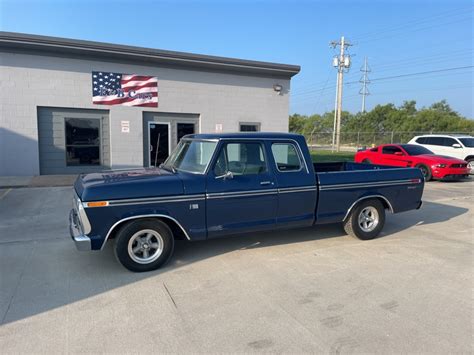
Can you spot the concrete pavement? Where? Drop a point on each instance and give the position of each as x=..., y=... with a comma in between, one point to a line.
x=36, y=181
x=311, y=290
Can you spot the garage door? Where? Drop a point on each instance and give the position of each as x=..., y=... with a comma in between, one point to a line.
x=73, y=141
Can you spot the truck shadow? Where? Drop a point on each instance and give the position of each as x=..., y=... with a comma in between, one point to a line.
x=430, y=213
x=190, y=252
x=32, y=286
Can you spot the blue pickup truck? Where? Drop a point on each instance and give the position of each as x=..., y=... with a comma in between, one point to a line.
x=214, y=185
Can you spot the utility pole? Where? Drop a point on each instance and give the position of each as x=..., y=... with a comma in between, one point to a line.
x=341, y=63
x=365, y=81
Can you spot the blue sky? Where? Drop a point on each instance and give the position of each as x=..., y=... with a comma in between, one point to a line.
x=398, y=37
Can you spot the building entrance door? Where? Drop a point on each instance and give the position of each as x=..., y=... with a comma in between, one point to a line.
x=159, y=140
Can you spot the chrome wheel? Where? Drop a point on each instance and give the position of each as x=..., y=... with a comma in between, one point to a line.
x=470, y=166
x=145, y=246
x=424, y=171
x=368, y=219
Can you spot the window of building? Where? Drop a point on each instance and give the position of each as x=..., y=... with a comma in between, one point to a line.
x=82, y=141
x=249, y=127
x=241, y=159
x=286, y=157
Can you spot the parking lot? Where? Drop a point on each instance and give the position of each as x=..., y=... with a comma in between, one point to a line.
x=310, y=290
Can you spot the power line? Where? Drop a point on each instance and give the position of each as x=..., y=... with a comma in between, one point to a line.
x=322, y=92
x=414, y=30
x=416, y=74
x=390, y=66
x=415, y=21
x=436, y=73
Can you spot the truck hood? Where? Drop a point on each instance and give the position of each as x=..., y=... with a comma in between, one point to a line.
x=138, y=183
x=441, y=159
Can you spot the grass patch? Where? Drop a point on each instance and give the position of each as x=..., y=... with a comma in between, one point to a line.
x=320, y=156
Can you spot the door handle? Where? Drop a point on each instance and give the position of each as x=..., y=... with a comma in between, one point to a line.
x=266, y=183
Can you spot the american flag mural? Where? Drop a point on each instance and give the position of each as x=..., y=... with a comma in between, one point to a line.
x=124, y=89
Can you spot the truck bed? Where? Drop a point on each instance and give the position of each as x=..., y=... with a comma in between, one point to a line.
x=341, y=184
x=344, y=166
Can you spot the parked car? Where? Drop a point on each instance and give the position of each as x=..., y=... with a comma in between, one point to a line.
x=457, y=146
x=214, y=185
x=411, y=155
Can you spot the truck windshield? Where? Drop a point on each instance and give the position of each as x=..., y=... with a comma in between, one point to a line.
x=191, y=155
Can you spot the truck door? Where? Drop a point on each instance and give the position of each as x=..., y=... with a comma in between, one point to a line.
x=241, y=192
x=297, y=193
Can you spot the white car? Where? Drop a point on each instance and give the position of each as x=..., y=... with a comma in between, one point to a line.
x=451, y=145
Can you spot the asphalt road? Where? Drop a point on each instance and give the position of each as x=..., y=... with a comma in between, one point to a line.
x=311, y=290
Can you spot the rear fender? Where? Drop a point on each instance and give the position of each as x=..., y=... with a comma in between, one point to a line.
x=386, y=203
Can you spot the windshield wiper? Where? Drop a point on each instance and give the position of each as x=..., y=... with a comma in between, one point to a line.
x=168, y=168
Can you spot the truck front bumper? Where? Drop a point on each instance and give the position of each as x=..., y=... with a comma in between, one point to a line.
x=82, y=241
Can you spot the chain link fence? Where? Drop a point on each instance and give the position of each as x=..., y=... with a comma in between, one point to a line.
x=351, y=141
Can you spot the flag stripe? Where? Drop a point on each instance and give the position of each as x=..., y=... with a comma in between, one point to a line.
x=137, y=87
x=127, y=78
x=111, y=100
x=140, y=102
x=138, y=82
x=114, y=97
x=150, y=104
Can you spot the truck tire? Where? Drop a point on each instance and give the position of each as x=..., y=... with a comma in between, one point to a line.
x=144, y=245
x=425, y=170
x=366, y=220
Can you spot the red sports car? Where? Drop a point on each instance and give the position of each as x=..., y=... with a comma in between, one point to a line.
x=432, y=166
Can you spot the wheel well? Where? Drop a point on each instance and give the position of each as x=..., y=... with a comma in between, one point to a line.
x=469, y=157
x=178, y=233
x=385, y=203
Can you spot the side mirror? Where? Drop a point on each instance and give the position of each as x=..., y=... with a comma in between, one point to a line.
x=227, y=175
x=399, y=154
x=456, y=145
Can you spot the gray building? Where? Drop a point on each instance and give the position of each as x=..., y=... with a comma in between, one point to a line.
x=50, y=125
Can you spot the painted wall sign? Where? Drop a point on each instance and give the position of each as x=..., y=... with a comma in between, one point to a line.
x=124, y=89
x=125, y=126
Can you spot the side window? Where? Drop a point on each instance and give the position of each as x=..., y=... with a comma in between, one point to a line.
x=390, y=150
x=422, y=140
x=286, y=157
x=241, y=159
x=435, y=140
x=448, y=142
